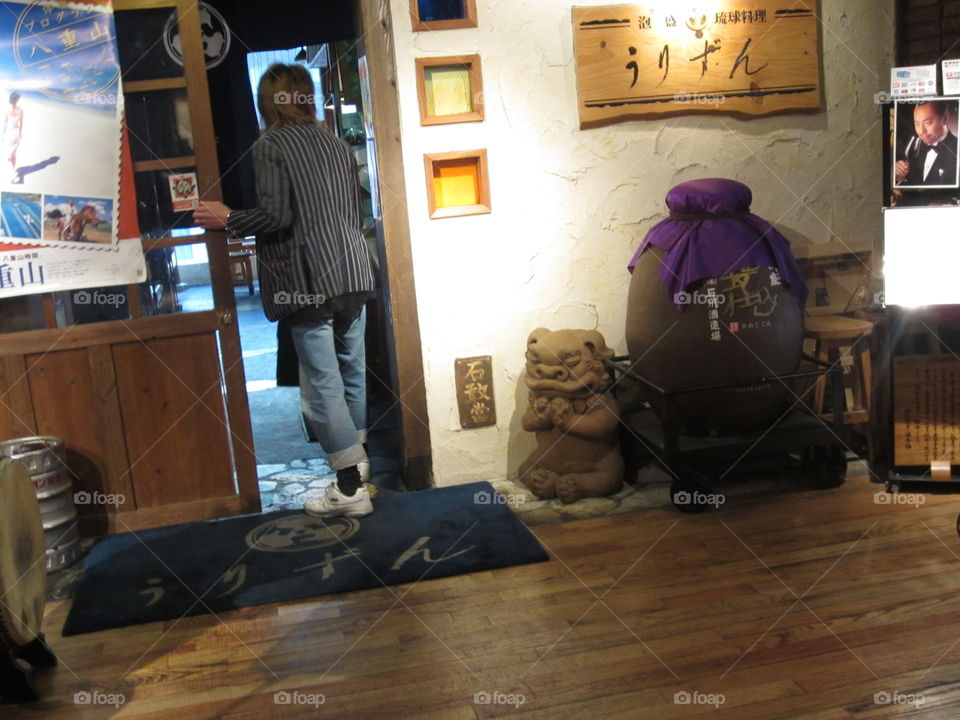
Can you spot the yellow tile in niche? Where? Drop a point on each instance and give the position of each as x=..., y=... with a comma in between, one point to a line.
x=448, y=90
x=456, y=183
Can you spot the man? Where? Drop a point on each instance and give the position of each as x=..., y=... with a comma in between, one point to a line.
x=930, y=157
x=314, y=270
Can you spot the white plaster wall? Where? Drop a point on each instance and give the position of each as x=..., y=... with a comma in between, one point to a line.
x=570, y=207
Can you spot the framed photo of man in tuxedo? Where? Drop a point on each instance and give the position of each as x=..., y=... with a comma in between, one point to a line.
x=925, y=143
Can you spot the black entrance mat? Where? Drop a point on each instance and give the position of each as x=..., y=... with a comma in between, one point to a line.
x=219, y=565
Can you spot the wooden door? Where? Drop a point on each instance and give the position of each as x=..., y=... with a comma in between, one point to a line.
x=150, y=399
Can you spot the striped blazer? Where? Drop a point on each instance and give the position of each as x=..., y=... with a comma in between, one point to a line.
x=307, y=221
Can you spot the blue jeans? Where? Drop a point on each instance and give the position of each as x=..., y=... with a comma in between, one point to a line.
x=333, y=385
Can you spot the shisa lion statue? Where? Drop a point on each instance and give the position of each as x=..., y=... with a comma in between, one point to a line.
x=574, y=416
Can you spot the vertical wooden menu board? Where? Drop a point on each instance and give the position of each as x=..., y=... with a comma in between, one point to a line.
x=926, y=409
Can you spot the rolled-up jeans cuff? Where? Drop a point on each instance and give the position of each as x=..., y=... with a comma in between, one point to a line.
x=353, y=455
x=363, y=435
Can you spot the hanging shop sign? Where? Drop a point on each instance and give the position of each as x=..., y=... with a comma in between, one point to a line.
x=60, y=152
x=745, y=58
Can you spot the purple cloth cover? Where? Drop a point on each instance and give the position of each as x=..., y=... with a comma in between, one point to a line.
x=699, y=246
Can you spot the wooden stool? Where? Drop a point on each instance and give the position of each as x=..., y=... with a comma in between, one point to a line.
x=832, y=332
x=241, y=269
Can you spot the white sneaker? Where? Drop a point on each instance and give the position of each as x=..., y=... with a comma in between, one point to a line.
x=364, y=469
x=334, y=503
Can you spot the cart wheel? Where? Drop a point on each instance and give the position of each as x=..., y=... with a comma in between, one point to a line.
x=829, y=468
x=690, y=492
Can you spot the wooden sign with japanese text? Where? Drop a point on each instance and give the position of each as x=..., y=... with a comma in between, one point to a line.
x=926, y=409
x=745, y=57
x=474, y=380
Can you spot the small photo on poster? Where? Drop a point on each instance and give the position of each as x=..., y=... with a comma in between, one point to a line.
x=20, y=215
x=77, y=219
x=925, y=143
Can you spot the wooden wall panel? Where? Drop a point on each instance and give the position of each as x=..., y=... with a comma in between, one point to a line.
x=74, y=403
x=107, y=333
x=177, y=441
x=16, y=411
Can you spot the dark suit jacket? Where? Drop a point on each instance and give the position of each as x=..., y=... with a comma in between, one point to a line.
x=944, y=169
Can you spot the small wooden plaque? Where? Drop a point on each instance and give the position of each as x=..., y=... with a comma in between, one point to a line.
x=474, y=379
x=926, y=409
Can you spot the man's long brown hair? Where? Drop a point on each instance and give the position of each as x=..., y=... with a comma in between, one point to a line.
x=285, y=96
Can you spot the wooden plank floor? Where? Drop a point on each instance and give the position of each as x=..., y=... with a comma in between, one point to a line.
x=803, y=604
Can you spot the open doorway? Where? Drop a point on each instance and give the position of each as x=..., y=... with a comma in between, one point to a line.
x=291, y=465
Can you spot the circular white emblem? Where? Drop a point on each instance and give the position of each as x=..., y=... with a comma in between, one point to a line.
x=214, y=32
x=295, y=533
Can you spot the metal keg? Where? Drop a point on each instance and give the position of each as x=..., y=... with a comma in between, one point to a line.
x=44, y=458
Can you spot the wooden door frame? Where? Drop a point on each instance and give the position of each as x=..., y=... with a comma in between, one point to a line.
x=375, y=33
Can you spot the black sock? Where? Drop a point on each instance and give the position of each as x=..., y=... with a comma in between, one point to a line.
x=348, y=480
